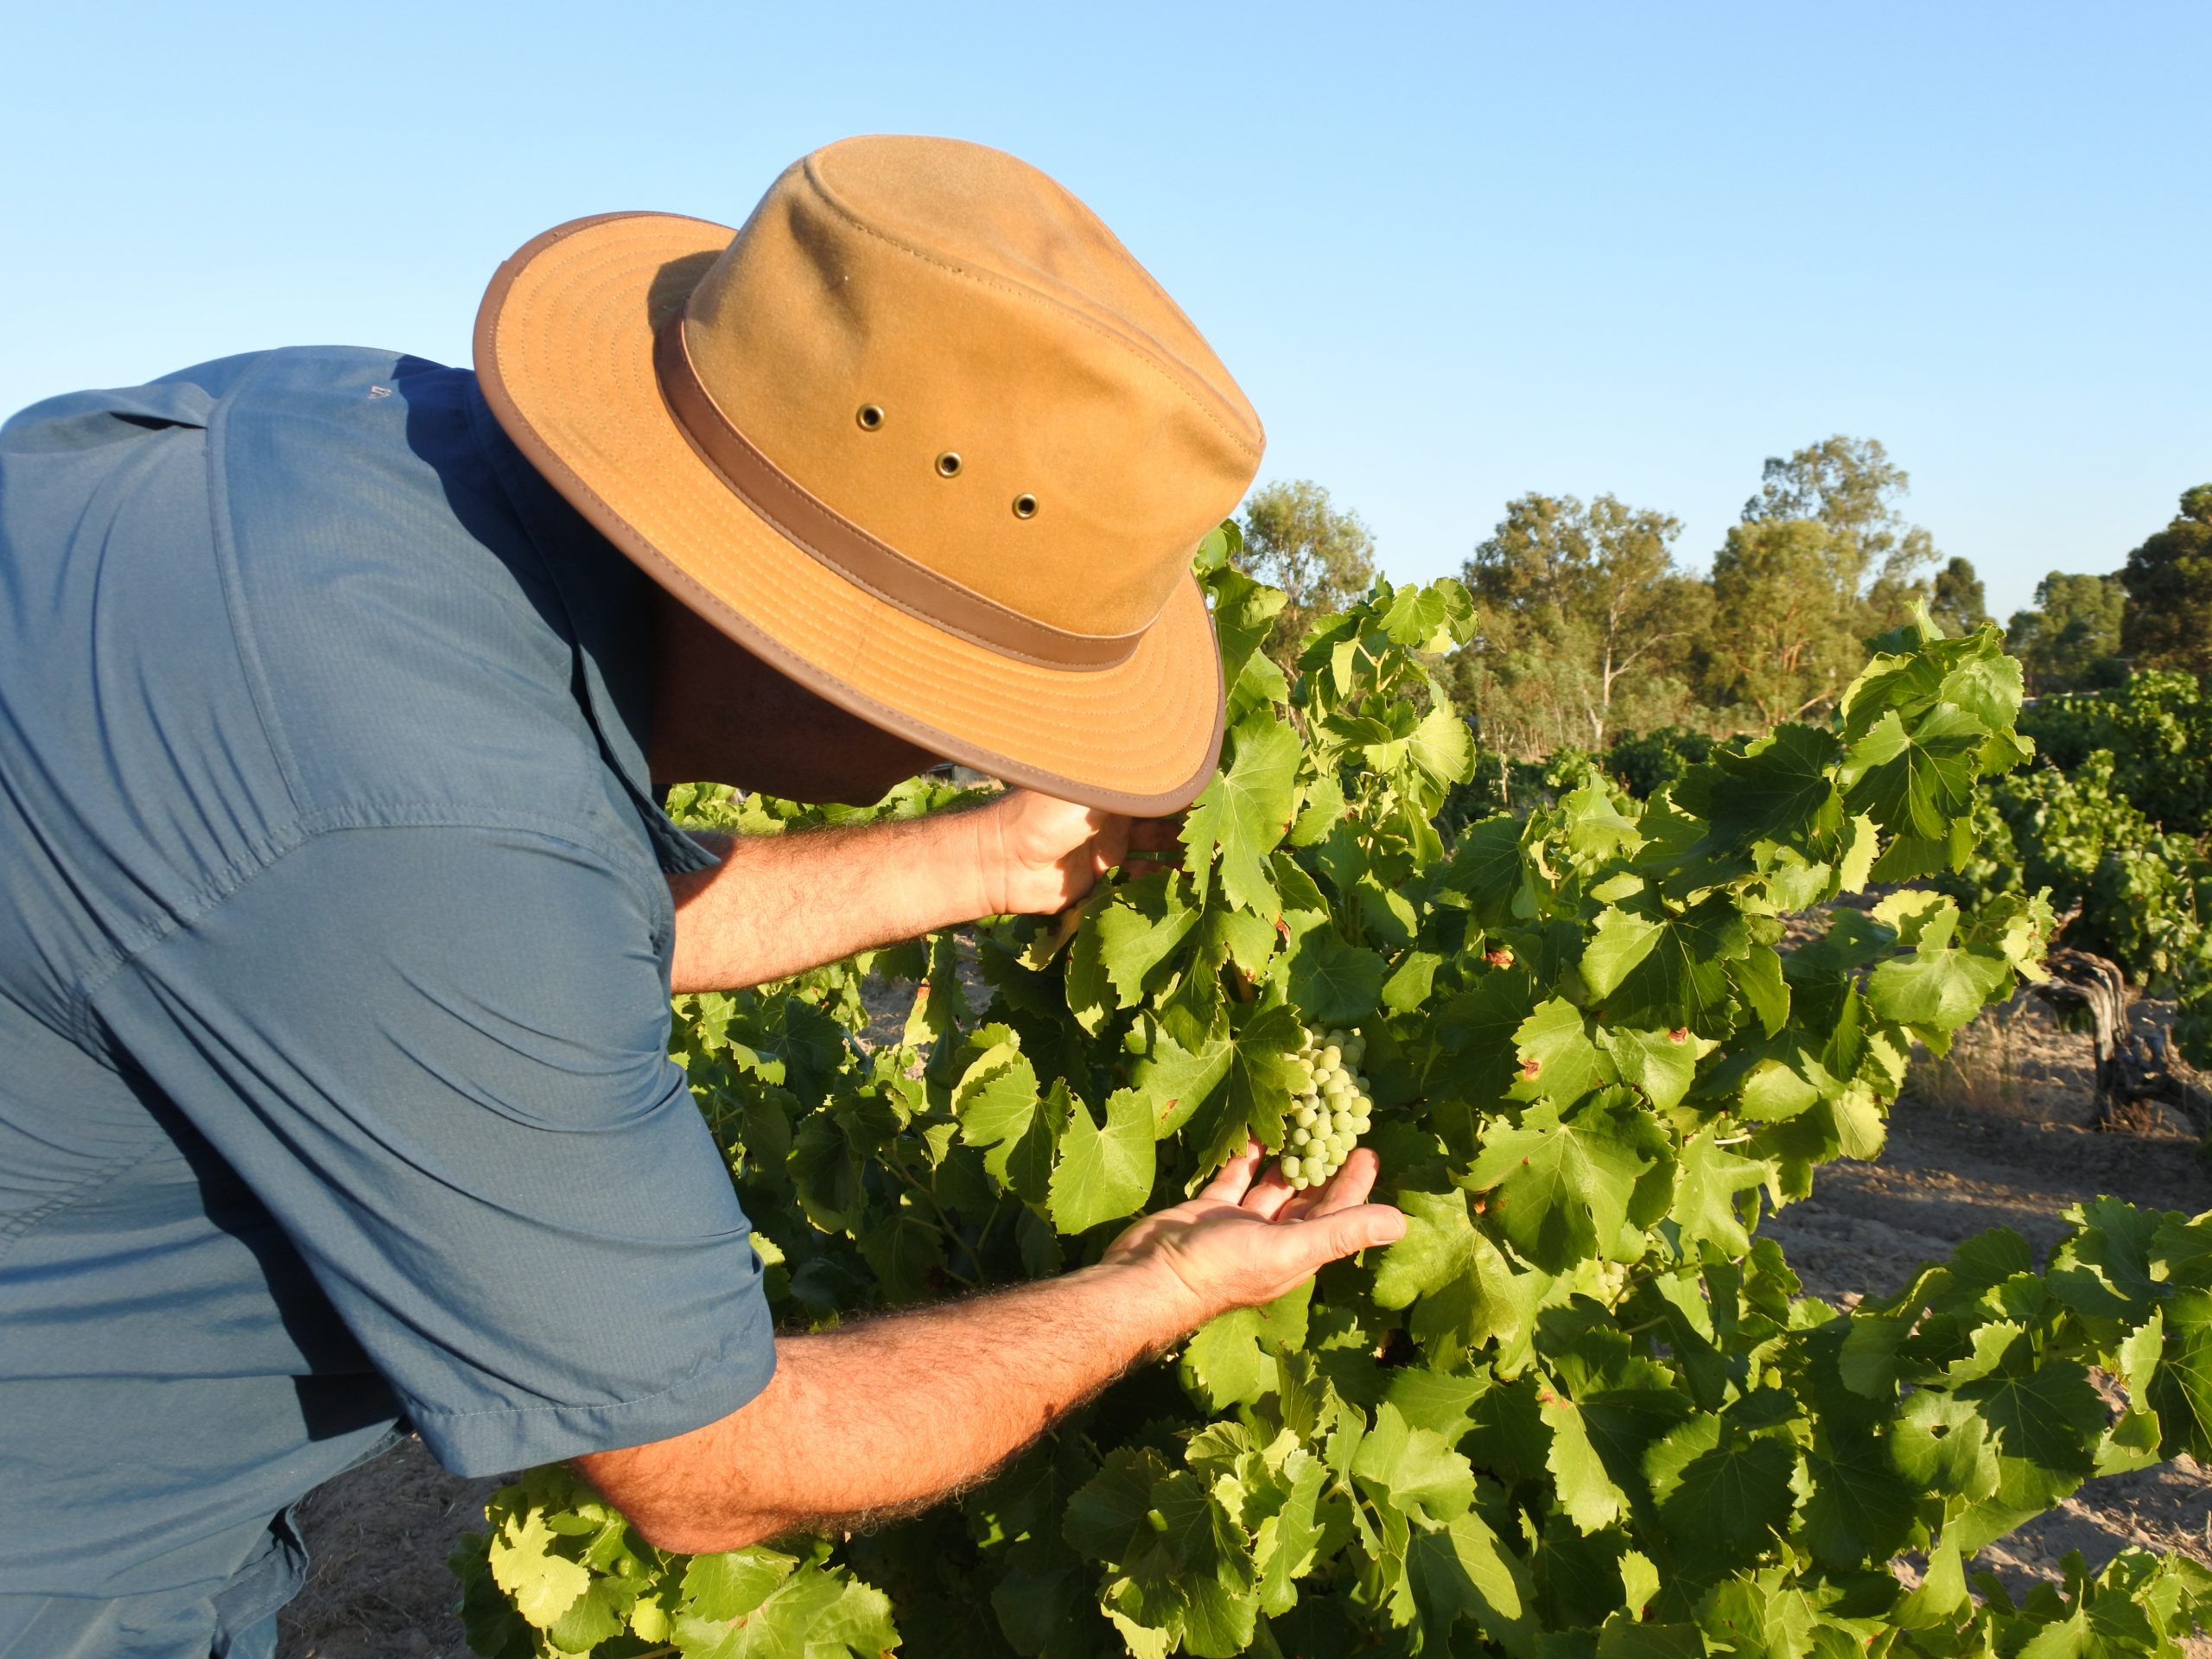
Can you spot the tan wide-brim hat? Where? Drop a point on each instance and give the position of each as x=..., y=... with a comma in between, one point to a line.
x=922, y=435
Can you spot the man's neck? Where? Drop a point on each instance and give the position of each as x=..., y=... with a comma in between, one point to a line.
x=721, y=715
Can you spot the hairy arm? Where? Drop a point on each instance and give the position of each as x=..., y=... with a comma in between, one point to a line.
x=779, y=904
x=894, y=1414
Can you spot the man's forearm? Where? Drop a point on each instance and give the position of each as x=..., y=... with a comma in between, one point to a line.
x=896, y=1412
x=778, y=904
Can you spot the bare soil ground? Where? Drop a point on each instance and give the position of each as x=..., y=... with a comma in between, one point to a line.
x=1992, y=1137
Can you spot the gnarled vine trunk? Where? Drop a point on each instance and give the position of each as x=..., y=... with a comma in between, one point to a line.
x=2132, y=1067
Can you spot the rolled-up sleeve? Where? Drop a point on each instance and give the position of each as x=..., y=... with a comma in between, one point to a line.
x=439, y=1056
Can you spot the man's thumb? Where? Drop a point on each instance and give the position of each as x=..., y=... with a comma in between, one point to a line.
x=1357, y=1228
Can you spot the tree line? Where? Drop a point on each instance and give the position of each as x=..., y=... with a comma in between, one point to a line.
x=1591, y=627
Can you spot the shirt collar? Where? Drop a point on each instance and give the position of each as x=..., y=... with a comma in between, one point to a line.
x=608, y=601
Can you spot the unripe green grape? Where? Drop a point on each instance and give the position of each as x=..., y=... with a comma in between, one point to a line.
x=1329, y=1107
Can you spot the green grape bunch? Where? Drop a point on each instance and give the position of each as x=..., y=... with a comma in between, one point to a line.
x=1332, y=1110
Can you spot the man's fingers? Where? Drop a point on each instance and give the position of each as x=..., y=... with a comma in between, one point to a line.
x=1235, y=1177
x=1270, y=1195
x=1349, y=1186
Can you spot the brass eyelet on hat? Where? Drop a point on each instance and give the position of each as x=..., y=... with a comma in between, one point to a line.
x=948, y=465
x=870, y=418
x=1024, y=505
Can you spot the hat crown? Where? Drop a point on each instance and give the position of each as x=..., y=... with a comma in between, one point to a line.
x=952, y=353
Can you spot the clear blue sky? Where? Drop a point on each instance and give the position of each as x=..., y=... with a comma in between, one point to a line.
x=1453, y=253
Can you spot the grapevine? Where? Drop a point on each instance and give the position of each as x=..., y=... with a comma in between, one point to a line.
x=1581, y=1411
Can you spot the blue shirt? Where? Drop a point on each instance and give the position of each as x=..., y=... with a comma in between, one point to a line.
x=334, y=945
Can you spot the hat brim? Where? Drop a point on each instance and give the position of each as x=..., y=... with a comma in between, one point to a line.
x=565, y=356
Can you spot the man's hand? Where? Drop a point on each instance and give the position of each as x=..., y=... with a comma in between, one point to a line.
x=885, y=1415
x=1037, y=856
x=1242, y=1242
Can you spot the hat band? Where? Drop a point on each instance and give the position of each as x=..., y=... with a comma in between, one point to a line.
x=818, y=529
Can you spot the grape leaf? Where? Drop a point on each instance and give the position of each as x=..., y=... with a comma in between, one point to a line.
x=998, y=1106
x=1620, y=942
x=1224, y=1358
x=542, y=1583
x=1255, y=1088
x=2180, y=1393
x=1414, y=1469
x=1662, y=1064
x=1759, y=980
x=905, y=1253
x=1586, y=1491
x=1244, y=813
x=1461, y=1290
x=1708, y=1184
x=1941, y=1443
x=1941, y=986
x=1557, y=1061
x=1462, y=1571
x=1442, y=747
x=1477, y=1028
x=1669, y=971
x=1243, y=612
x=1560, y=1186
x=1103, y=1173
x=1044, y=1599
x=1189, y=1571
x=727, y=1587
x=1138, y=929
x=1723, y=1493
x=1780, y=788
x=1488, y=867
x=1333, y=983
x=810, y=1615
x=1916, y=782
x=2044, y=1424
x=1430, y=618
x=1860, y=1512
x=1410, y=982
x=1175, y=1080
x=1288, y=1540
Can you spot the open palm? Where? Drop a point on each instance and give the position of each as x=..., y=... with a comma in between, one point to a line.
x=1248, y=1238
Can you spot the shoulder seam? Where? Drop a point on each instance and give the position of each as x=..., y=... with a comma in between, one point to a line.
x=243, y=637
x=655, y=899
